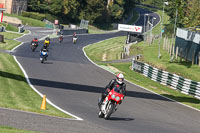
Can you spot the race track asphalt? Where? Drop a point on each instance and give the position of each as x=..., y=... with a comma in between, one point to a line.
x=73, y=83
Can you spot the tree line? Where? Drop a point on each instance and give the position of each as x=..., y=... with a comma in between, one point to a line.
x=92, y=10
x=188, y=11
x=98, y=11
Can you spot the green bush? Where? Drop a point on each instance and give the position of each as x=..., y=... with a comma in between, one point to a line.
x=50, y=17
x=33, y=15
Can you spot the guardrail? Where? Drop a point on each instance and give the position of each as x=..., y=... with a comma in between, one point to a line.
x=176, y=82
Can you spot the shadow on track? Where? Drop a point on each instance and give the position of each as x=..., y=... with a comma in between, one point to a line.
x=79, y=87
x=120, y=119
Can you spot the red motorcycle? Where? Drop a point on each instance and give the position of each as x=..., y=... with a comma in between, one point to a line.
x=60, y=39
x=110, y=103
x=34, y=45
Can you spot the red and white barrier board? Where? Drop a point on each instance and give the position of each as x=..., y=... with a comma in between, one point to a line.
x=129, y=28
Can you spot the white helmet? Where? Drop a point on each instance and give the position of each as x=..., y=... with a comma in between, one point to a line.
x=120, y=78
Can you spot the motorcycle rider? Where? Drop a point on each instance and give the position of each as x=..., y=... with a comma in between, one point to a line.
x=35, y=40
x=118, y=82
x=44, y=49
x=48, y=38
x=46, y=42
x=74, y=37
x=61, y=38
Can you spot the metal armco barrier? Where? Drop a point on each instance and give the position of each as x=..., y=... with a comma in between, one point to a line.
x=176, y=82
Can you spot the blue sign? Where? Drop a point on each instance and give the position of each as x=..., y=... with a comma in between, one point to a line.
x=162, y=30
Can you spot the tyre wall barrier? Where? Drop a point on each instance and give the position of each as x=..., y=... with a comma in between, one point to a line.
x=176, y=82
x=71, y=31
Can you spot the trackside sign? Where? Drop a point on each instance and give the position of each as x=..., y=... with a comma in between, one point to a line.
x=130, y=28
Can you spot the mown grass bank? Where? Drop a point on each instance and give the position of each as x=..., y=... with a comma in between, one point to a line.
x=7, y=129
x=28, y=21
x=9, y=41
x=106, y=50
x=150, y=55
x=10, y=27
x=14, y=90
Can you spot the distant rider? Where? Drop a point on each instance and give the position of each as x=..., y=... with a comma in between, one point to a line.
x=61, y=37
x=46, y=42
x=35, y=41
x=118, y=82
x=74, y=35
x=44, y=49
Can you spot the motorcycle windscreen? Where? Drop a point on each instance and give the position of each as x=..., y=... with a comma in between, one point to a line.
x=117, y=90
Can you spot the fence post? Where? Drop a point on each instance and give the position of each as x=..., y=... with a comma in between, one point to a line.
x=181, y=53
x=168, y=47
x=164, y=42
x=176, y=52
x=170, y=51
x=199, y=58
x=173, y=46
x=193, y=57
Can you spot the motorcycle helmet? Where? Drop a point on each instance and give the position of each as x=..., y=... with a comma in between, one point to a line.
x=45, y=47
x=120, y=78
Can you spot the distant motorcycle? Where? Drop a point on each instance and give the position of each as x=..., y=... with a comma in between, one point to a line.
x=33, y=46
x=60, y=39
x=43, y=56
x=110, y=103
x=74, y=39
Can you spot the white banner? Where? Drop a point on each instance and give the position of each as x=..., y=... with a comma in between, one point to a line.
x=130, y=28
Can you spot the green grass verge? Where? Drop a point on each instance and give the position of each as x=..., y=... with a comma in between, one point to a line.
x=94, y=30
x=16, y=93
x=28, y=21
x=9, y=43
x=14, y=90
x=106, y=50
x=150, y=56
x=7, y=129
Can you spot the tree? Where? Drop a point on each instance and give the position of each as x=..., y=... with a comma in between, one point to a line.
x=116, y=11
x=192, y=17
x=93, y=10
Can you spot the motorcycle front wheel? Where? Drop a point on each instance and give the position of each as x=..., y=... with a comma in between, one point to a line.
x=33, y=48
x=109, y=110
x=101, y=115
x=42, y=61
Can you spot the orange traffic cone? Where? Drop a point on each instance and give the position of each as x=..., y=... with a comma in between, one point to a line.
x=43, y=105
